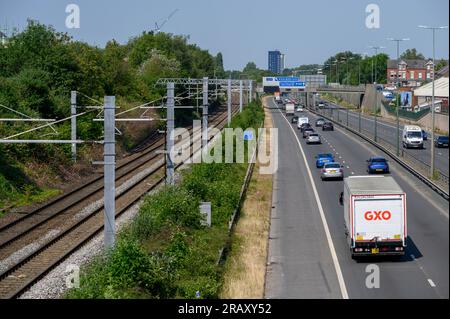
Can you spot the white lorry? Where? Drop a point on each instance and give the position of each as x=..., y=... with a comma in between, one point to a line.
x=278, y=99
x=290, y=109
x=375, y=215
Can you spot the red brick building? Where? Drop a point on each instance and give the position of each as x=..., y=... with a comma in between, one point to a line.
x=412, y=73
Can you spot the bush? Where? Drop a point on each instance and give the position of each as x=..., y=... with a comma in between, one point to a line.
x=170, y=205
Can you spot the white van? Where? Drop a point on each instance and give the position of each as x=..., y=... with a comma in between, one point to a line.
x=302, y=120
x=412, y=136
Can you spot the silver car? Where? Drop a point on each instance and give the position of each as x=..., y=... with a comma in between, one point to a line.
x=313, y=138
x=332, y=170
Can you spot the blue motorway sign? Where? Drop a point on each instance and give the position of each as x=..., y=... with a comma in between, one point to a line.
x=248, y=135
x=287, y=79
x=292, y=84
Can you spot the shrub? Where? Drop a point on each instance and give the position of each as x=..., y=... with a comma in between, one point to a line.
x=172, y=204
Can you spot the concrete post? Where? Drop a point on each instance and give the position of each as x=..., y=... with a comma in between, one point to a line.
x=109, y=157
x=205, y=114
x=73, y=123
x=170, y=133
x=240, y=96
x=250, y=94
x=229, y=101
x=347, y=117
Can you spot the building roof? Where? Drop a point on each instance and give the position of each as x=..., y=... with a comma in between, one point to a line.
x=414, y=64
x=440, y=88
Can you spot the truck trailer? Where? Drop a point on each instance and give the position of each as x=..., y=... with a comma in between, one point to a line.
x=375, y=215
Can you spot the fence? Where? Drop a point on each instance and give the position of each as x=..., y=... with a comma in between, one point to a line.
x=413, y=116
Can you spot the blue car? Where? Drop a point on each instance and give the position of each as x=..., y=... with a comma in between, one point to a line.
x=377, y=165
x=321, y=159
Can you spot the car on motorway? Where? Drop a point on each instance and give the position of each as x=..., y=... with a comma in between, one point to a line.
x=332, y=170
x=412, y=136
x=294, y=119
x=307, y=131
x=424, y=135
x=303, y=126
x=323, y=158
x=441, y=141
x=299, y=109
x=320, y=122
x=321, y=105
x=377, y=164
x=313, y=138
x=327, y=126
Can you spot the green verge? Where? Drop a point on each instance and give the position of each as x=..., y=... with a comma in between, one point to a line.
x=165, y=252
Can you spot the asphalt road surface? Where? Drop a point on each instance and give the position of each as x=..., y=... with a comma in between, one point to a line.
x=387, y=132
x=301, y=263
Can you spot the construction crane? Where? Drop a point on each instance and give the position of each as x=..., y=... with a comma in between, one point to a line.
x=158, y=27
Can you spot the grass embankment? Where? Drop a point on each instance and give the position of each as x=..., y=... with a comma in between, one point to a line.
x=165, y=252
x=245, y=267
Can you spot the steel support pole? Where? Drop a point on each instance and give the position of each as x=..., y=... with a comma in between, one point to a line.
x=397, y=100
x=347, y=117
x=205, y=114
x=375, y=129
x=240, y=96
x=170, y=133
x=229, y=101
x=73, y=123
x=359, y=115
x=250, y=96
x=109, y=157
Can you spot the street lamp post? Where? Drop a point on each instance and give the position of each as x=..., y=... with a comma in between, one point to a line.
x=398, y=91
x=432, y=97
x=376, y=48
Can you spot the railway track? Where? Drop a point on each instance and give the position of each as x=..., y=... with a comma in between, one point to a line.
x=60, y=227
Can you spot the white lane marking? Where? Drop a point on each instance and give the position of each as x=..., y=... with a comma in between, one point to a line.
x=323, y=218
x=348, y=167
x=353, y=173
x=371, y=149
x=432, y=284
x=343, y=162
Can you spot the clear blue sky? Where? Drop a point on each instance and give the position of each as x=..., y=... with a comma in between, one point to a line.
x=244, y=30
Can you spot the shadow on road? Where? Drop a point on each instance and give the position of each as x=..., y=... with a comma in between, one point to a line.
x=411, y=253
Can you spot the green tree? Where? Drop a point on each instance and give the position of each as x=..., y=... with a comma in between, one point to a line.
x=218, y=65
x=412, y=54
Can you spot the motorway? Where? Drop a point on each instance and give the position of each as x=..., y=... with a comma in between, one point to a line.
x=308, y=252
x=387, y=131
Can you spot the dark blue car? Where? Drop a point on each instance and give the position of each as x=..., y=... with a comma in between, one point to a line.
x=321, y=159
x=377, y=165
